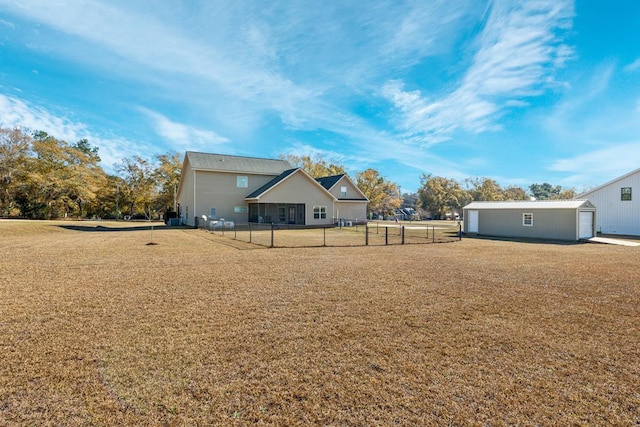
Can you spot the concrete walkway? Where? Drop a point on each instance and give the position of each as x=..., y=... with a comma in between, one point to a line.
x=610, y=241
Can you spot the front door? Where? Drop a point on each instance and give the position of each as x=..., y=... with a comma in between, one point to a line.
x=292, y=214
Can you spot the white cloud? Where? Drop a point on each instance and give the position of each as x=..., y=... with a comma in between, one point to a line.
x=614, y=159
x=426, y=29
x=242, y=63
x=144, y=40
x=634, y=66
x=7, y=24
x=16, y=113
x=330, y=156
x=516, y=55
x=584, y=114
x=185, y=137
x=253, y=60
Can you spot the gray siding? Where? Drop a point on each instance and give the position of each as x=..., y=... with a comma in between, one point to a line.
x=560, y=224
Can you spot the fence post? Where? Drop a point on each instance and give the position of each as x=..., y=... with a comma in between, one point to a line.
x=366, y=234
x=433, y=233
x=386, y=235
x=402, y=233
x=271, y=235
x=459, y=231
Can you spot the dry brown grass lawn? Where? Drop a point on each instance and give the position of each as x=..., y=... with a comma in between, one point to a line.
x=99, y=328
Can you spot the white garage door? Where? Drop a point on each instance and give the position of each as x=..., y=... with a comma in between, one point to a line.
x=586, y=225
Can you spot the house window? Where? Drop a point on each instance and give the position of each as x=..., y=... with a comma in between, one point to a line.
x=625, y=193
x=343, y=192
x=242, y=181
x=319, y=212
x=282, y=214
x=527, y=219
x=240, y=209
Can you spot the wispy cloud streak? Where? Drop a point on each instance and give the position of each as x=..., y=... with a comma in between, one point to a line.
x=15, y=113
x=183, y=136
x=516, y=56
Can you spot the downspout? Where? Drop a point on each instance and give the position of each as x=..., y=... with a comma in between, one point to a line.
x=195, y=209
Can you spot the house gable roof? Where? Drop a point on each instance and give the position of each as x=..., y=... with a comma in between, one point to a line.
x=255, y=195
x=613, y=181
x=536, y=204
x=328, y=182
x=266, y=187
x=237, y=164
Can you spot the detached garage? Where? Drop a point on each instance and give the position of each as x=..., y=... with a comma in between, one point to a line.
x=545, y=219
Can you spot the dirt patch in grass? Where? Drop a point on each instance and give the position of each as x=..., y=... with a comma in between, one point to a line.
x=99, y=328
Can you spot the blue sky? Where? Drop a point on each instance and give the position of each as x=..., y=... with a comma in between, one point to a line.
x=519, y=91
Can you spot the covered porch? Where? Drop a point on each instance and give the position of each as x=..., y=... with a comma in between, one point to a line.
x=277, y=213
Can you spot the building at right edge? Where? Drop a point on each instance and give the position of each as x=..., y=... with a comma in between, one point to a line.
x=618, y=203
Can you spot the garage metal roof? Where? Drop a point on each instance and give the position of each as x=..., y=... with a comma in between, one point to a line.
x=535, y=204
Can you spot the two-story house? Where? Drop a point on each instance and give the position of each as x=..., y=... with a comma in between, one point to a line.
x=249, y=189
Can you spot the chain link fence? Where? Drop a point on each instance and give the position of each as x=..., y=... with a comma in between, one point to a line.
x=369, y=234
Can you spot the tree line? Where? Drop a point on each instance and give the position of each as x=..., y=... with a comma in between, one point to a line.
x=43, y=177
x=440, y=197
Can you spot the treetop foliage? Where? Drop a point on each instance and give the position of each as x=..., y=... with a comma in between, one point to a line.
x=316, y=167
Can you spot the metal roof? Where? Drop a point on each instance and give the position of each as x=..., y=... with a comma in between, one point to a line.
x=225, y=163
x=535, y=204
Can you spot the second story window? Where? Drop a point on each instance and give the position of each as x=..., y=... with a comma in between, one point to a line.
x=242, y=181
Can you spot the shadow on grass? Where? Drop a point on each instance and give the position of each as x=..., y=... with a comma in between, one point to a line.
x=525, y=240
x=101, y=228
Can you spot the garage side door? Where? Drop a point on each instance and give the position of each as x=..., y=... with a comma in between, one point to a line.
x=472, y=221
x=586, y=225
